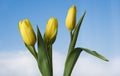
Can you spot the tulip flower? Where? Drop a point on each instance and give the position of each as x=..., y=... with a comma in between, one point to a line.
x=71, y=18
x=43, y=53
x=27, y=32
x=51, y=30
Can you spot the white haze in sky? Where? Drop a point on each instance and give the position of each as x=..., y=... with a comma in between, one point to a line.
x=22, y=63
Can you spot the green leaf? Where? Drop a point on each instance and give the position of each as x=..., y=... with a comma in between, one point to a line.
x=43, y=58
x=94, y=53
x=75, y=33
x=73, y=53
x=32, y=51
x=71, y=61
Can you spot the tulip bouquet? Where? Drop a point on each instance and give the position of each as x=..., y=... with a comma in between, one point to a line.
x=43, y=54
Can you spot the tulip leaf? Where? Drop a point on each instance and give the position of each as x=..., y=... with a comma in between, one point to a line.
x=73, y=54
x=43, y=59
x=94, y=53
x=71, y=61
x=75, y=33
x=32, y=50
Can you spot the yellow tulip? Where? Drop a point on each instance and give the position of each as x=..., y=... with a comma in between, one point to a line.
x=71, y=18
x=27, y=32
x=51, y=29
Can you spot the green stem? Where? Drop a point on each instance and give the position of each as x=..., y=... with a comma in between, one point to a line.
x=49, y=49
x=73, y=40
x=75, y=34
x=35, y=53
x=32, y=51
x=71, y=36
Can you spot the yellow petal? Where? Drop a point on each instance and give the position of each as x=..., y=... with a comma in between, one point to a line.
x=71, y=18
x=51, y=29
x=27, y=32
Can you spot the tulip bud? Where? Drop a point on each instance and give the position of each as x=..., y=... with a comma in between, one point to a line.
x=51, y=30
x=27, y=32
x=71, y=18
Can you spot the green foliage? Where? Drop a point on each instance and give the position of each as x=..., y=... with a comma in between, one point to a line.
x=73, y=53
x=71, y=61
x=44, y=54
x=94, y=53
x=43, y=58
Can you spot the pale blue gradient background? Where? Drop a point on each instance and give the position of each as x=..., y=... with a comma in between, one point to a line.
x=100, y=30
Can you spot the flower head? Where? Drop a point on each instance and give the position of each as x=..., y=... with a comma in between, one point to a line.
x=51, y=30
x=27, y=32
x=71, y=18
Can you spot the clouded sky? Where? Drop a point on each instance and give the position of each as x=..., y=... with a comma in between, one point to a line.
x=99, y=31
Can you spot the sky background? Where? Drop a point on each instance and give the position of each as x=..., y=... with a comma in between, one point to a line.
x=100, y=31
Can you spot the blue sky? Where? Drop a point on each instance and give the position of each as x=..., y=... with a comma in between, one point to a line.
x=99, y=31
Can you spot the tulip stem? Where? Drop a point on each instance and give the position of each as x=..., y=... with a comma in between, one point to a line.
x=71, y=36
x=35, y=53
x=49, y=47
x=32, y=51
x=71, y=39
